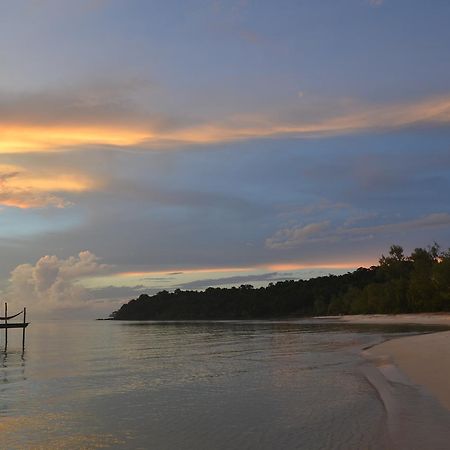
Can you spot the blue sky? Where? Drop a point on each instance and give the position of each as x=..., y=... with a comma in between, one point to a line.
x=149, y=145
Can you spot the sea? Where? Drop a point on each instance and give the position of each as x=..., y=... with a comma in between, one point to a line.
x=294, y=384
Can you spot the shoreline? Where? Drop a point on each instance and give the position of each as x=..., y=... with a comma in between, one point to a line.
x=422, y=359
x=395, y=319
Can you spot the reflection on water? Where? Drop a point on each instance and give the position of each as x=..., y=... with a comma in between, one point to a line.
x=192, y=385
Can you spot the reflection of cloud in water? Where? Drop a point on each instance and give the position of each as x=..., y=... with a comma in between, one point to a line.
x=21, y=432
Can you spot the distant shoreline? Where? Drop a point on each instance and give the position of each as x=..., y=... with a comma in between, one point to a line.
x=400, y=284
x=438, y=318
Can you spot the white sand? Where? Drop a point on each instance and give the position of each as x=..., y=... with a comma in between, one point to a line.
x=424, y=359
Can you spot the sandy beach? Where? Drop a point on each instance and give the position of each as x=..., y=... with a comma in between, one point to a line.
x=421, y=319
x=424, y=359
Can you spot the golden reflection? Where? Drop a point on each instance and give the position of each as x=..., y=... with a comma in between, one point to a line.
x=20, y=433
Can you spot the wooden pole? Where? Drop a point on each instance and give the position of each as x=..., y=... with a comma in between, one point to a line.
x=6, y=325
x=23, y=331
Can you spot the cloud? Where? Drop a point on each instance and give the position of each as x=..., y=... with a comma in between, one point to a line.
x=124, y=115
x=21, y=188
x=297, y=235
x=435, y=220
x=321, y=206
x=119, y=292
x=52, y=283
x=235, y=280
x=82, y=5
x=106, y=112
x=35, y=138
x=287, y=238
x=375, y=3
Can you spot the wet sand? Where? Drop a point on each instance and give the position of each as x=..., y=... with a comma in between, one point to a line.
x=424, y=359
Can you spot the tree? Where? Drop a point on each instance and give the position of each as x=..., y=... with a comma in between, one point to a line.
x=395, y=265
x=421, y=291
x=419, y=282
x=441, y=279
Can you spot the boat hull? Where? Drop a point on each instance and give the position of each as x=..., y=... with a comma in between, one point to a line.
x=14, y=325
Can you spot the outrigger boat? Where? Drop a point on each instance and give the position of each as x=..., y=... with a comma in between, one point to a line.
x=6, y=325
x=16, y=324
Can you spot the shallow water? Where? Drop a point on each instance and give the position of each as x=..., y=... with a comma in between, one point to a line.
x=207, y=385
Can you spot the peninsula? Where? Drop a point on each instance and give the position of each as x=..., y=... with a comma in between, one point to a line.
x=416, y=283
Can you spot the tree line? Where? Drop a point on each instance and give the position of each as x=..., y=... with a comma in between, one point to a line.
x=419, y=282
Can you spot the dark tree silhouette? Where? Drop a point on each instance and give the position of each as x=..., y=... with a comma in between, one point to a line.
x=399, y=284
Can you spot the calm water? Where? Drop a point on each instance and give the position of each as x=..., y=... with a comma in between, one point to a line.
x=207, y=385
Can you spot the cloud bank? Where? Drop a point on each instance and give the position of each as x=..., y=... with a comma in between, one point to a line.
x=295, y=236
x=52, y=283
x=113, y=116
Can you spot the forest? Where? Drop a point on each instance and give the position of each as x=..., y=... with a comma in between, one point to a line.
x=419, y=282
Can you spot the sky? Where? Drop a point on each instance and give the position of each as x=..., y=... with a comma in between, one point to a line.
x=150, y=145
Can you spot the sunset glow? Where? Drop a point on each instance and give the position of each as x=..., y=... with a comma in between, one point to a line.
x=216, y=143
x=354, y=117
x=221, y=221
x=25, y=138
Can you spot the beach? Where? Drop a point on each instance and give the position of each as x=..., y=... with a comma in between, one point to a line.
x=397, y=319
x=424, y=359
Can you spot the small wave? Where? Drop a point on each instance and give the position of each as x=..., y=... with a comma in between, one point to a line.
x=414, y=419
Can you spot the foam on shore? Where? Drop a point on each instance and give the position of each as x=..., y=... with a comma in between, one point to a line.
x=414, y=419
x=424, y=359
x=411, y=376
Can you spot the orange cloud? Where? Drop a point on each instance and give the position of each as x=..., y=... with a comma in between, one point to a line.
x=280, y=266
x=29, y=138
x=365, y=118
x=22, y=189
x=184, y=271
x=351, y=118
